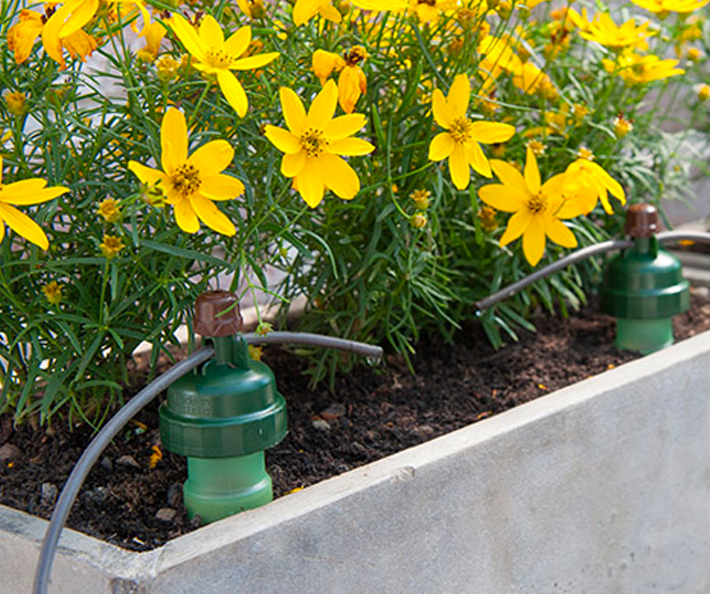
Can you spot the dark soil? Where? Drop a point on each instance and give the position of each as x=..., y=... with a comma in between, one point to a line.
x=372, y=413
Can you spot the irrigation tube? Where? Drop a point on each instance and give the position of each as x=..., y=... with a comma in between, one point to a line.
x=134, y=405
x=583, y=254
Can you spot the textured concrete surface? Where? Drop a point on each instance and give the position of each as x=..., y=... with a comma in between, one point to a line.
x=603, y=487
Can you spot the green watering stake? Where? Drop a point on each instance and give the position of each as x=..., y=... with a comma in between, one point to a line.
x=644, y=287
x=222, y=416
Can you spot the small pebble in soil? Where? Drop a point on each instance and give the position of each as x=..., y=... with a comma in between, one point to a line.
x=9, y=452
x=333, y=412
x=97, y=495
x=321, y=424
x=48, y=493
x=106, y=464
x=165, y=514
x=702, y=292
x=175, y=495
x=128, y=462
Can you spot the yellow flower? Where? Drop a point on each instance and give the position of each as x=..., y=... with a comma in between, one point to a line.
x=111, y=246
x=214, y=55
x=636, y=69
x=418, y=221
x=315, y=143
x=167, y=68
x=16, y=103
x=53, y=292
x=538, y=208
x=421, y=198
x=254, y=9
x=58, y=33
x=605, y=32
x=351, y=82
x=192, y=183
x=622, y=126
x=428, y=11
x=586, y=183
x=305, y=10
x=487, y=216
x=153, y=34
x=460, y=142
x=381, y=5
x=665, y=6
x=537, y=147
x=25, y=193
x=109, y=210
x=703, y=92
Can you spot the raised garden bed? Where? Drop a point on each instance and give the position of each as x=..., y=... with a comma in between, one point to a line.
x=371, y=416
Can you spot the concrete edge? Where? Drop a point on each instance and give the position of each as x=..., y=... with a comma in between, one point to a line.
x=398, y=467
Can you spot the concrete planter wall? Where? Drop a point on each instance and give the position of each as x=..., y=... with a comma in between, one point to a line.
x=601, y=487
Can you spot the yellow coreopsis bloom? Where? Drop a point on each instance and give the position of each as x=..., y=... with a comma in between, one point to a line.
x=538, y=208
x=604, y=31
x=315, y=143
x=25, y=193
x=50, y=26
x=460, y=142
x=214, y=55
x=636, y=69
x=665, y=6
x=351, y=82
x=586, y=183
x=428, y=11
x=192, y=183
x=381, y=5
x=305, y=10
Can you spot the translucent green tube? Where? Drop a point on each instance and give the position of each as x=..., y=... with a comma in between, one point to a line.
x=644, y=336
x=219, y=487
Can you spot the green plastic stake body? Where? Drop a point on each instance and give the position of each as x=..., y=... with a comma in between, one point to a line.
x=222, y=417
x=644, y=287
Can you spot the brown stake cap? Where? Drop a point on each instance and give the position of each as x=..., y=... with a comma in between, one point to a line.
x=208, y=322
x=641, y=220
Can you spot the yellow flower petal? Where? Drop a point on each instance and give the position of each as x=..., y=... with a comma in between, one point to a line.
x=477, y=159
x=310, y=183
x=344, y=126
x=339, y=177
x=187, y=35
x=293, y=164
x=211, y=216
x=23, y=225
x=440, y=109
x=323, y=107
x=558, y=232
x=30, y=191
x=459, y=95
x=81, y=13
x=517, y=225
x=305, y=10
x=147, y=175
x=532, y=173
x=534, y=241
x=324, y=63
x=283, y=140
x=253, y=62
x=210, y=32
x=185, y=216
x=492, y=132
x=350, y=147
x=238, y=42
x=442, y=145
x=212, y=158
x=233, y=92
x=510, y=176
x=459, y=168
x=503, y=198
x=293, y=110
x=221, y=187
x=173, y=139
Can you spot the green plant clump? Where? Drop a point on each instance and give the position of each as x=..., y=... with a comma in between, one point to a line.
x=394, y=160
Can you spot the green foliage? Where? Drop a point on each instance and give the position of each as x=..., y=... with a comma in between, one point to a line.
x=380, y=267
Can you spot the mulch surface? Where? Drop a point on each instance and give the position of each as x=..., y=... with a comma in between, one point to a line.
x=131, y=501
